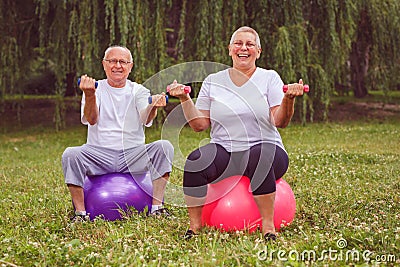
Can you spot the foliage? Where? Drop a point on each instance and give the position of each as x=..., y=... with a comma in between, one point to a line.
x=385, y=62
x=312, y=40
x=345, y=182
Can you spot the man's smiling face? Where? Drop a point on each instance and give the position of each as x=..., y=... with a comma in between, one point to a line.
x=117, y=73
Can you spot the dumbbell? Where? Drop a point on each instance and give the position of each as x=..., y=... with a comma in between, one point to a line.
x=187, y=89
x=306, y=88
x=95, y=83
x=150, y=100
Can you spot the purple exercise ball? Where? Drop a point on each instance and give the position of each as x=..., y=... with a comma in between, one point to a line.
x=111, y=195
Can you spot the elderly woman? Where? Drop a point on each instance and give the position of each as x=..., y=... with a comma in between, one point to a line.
x=243, y=105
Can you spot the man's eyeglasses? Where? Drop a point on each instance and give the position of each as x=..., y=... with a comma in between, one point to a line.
x=240, y=45
x=116, y=61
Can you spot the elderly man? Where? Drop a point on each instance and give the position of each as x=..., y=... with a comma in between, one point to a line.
x=115, y=112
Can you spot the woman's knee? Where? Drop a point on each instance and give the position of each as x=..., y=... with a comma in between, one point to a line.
x=281, y=162
x=203, y=158
x=267, y=186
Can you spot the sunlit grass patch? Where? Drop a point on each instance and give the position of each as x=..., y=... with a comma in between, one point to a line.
x=345, y=178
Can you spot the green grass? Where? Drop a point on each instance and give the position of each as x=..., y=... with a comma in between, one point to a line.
x=345, y=178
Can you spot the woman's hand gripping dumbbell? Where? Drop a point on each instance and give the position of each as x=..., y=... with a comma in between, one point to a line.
x=295, y=89
x=179, y=90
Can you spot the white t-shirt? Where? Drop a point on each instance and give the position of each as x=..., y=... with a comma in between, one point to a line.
x=240, y=116
x=118, y=126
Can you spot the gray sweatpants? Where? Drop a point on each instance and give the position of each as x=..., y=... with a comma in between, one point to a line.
x=80, y=161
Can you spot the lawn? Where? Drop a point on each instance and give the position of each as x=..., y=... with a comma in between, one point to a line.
x=345, y=177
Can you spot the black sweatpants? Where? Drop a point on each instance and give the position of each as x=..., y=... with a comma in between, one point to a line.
x=263, y=164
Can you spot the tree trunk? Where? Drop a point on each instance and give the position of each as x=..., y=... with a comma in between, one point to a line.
x=359, y=56
x=71, y=84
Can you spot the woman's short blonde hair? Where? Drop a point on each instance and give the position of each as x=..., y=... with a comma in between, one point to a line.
x=246, y=29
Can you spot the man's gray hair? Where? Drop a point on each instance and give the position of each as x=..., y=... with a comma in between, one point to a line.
x=118, y=46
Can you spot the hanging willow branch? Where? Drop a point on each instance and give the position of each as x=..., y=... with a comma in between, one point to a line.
x=300, y=39
x=160, y=38
x=138, y=42
x=10, y=49
x=384, y=54
x=283, y=54
x=218, y=47
x=180, y=44
x=202, y=37
x=110, y=19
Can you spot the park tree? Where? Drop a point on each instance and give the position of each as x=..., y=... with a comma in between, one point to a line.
x=327, y=43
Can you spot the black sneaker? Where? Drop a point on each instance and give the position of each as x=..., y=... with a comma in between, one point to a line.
x=269, y=237
x=163, y=212
x=80, y=218
x=189, y=234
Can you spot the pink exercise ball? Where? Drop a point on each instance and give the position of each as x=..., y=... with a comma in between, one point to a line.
x=285, y=204
x=230, y=205
x=111, y=195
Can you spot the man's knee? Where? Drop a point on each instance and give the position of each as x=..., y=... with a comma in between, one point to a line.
x=164, y=146
x=70, y=152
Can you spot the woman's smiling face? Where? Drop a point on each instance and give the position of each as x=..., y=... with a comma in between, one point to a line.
x=244, y=50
